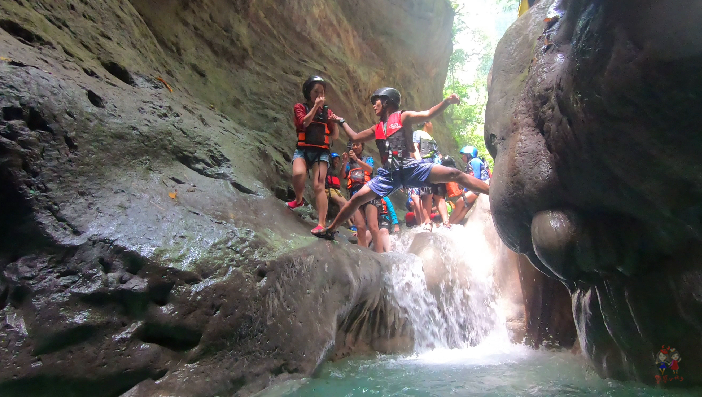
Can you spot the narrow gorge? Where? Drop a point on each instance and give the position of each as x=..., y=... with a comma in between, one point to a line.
x=145, y=149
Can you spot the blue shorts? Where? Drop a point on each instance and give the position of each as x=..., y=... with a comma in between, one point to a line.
x=312, y=156
x=413, y=173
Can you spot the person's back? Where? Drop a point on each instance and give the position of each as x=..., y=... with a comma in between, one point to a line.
x=479, y=170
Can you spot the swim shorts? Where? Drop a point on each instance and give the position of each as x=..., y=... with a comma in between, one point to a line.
x=410, y=173
x=312, y=155
x=438, y=189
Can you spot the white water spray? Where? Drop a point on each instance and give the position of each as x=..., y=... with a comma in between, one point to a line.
x=448, y=288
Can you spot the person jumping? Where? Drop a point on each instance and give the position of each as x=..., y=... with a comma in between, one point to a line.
x=393, y=135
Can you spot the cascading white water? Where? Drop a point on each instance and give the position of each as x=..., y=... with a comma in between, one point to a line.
x=448, y=289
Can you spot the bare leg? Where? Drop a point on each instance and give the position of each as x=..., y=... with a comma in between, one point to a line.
x=441, y=174
x=417, y=208
x=470, y=198
x=319, y=174
x=372, y=222
x=360, y=229
x=363, y=196
x=456, y=214
x=299, y=172
x=441, y=206
x=340, y=201
x=384, y=240
x=426, y=209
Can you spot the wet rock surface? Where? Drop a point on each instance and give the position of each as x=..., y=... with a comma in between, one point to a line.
x=593, y=121
x=144, y=151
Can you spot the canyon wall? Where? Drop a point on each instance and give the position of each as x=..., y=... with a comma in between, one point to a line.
x=144, y=150
x=593, y=119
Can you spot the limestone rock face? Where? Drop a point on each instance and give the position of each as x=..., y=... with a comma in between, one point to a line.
x=593, y=119
x=143, y=245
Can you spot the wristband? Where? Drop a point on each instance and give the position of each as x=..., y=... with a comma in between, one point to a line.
x=341, y=121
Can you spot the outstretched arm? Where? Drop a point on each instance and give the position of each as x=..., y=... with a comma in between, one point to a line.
x=334, y=132
x=412, y=117
x=391, y=210
x=363, y=136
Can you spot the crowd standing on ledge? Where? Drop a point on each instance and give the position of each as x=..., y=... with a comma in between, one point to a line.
x=410, y=160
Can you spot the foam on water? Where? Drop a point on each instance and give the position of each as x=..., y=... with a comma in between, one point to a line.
x=466, y=311
x=462, y=346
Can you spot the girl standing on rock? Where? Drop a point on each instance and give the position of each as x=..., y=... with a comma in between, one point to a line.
x=316, y=128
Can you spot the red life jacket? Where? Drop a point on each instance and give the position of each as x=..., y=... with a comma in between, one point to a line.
x=357, y=177
x=317, y=134
x=385, y=135
x=333, y=182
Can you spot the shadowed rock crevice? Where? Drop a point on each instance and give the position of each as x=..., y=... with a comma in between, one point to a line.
x=119, y=71
x=177, y=338
x=23, y=34
x=66, y=385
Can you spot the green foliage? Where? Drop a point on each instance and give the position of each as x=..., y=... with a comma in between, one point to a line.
x=466, y=121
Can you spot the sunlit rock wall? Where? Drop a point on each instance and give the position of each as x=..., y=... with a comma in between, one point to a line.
x=142, y=246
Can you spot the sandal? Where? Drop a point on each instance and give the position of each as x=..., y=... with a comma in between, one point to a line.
x=427, y=226
x=324, y=233
x=317, y=229
x=294, y=204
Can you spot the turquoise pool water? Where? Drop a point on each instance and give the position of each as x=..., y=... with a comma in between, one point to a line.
x=480, y=371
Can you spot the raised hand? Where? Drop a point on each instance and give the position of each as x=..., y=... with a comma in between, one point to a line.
x=344, y=157
x=453, y=99
x=319, y=102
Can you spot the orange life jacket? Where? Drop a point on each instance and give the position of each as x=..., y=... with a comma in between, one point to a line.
x=453, y=190
x=357, y=177
x=317, y=134
x=383, y=209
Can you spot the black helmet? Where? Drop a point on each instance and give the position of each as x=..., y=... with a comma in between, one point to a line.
x=309, y=83
x=391, y=94
x=448, y=161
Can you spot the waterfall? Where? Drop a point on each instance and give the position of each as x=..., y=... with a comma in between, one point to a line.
x=445, y=280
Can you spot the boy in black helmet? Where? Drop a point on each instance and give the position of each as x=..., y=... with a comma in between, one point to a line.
x=316, y=128
x=393, y=135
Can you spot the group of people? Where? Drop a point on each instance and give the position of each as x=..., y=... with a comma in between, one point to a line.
x=447, y=203
x=409, y=160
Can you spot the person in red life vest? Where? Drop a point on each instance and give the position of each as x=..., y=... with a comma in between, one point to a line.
x=393, y=135
x=357, y=169
x=316, y=127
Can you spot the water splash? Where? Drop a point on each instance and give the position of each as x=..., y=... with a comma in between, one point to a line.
x=448, y=289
